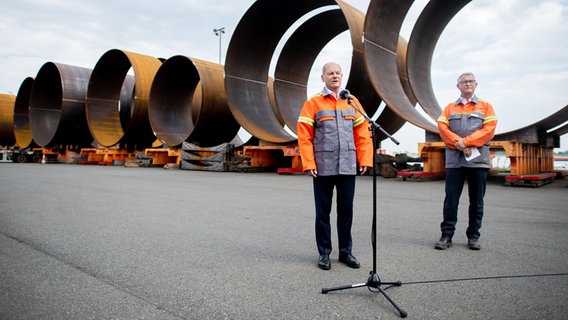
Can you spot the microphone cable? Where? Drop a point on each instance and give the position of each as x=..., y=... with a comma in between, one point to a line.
x=480, y=278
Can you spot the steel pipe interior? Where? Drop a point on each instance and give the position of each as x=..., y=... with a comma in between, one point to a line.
x=188, y=103
x=57, y=106
x=22, y=130
x=248, y=61
x=382, y=27
x=7, y=119
x=298, y=55
x=117, y=102
x=423, y=39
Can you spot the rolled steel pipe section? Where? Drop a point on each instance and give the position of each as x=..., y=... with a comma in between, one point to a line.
x=188, y=103
x=303, y=47
x=22, y=129
x=389, y=120
x=248, y=61
x=358, y=81
x=57, y=106
x=117, y=102
x=401, y=58
x=559, y=130
x=382, y=28
x=540, y=132
x=7, y=102
x=301, y=50
x=425, y=35
x=426, y=32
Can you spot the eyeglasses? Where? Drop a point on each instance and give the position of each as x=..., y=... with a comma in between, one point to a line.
x=467, y=82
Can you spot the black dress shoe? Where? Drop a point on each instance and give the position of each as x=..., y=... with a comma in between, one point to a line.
x=324, y=262
x=349, y=260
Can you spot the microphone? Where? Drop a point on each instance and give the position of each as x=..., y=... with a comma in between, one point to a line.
x=344, y=94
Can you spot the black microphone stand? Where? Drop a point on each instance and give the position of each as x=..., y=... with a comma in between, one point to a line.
x=373, y=281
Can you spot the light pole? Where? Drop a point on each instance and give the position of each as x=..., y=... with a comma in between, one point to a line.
x=219, y=32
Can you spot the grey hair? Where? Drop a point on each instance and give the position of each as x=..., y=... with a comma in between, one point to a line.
x=324, y=68
x=466, y=74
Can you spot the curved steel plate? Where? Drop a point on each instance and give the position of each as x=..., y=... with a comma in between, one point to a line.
x=248, y=61
x=300, y=52
x=188, y=103
x=538, y=132
x=57, y=106
x=22, y=129
x=425, y=34
x=7, y=102
x=382, y=27
x=116, y=112
x=296, y=59
x=388, y=119
x=562, y=129
x=358, y=81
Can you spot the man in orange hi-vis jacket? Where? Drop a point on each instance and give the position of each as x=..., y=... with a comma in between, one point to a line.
x=467, y=127
x=332, y=138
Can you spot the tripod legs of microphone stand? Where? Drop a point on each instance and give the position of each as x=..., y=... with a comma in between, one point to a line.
x=373, y=282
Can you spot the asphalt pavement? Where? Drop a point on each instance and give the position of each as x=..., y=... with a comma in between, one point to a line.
x=109, y=242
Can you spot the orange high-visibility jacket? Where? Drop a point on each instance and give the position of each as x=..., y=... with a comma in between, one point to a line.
x=474, y=123
x=333, y=136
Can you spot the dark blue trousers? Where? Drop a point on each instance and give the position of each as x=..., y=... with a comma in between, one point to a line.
x=323, y=194
x=476, y=181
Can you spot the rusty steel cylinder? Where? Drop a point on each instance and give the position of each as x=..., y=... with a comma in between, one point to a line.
x=425, y=34
x=296, y=59
x=7, y=119
x=57, y=106
x=22, y=129
x=248, y=61
x=382, y=27
x=188, y=103
x=382, y=48
x=117, y=99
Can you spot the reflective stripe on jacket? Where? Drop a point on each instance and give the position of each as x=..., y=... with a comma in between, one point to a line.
x=475, y=123
x=333, y=137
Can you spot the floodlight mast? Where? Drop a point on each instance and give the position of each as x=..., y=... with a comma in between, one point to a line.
x=218, y=32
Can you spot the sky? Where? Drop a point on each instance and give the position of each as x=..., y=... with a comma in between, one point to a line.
x=516, y=48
